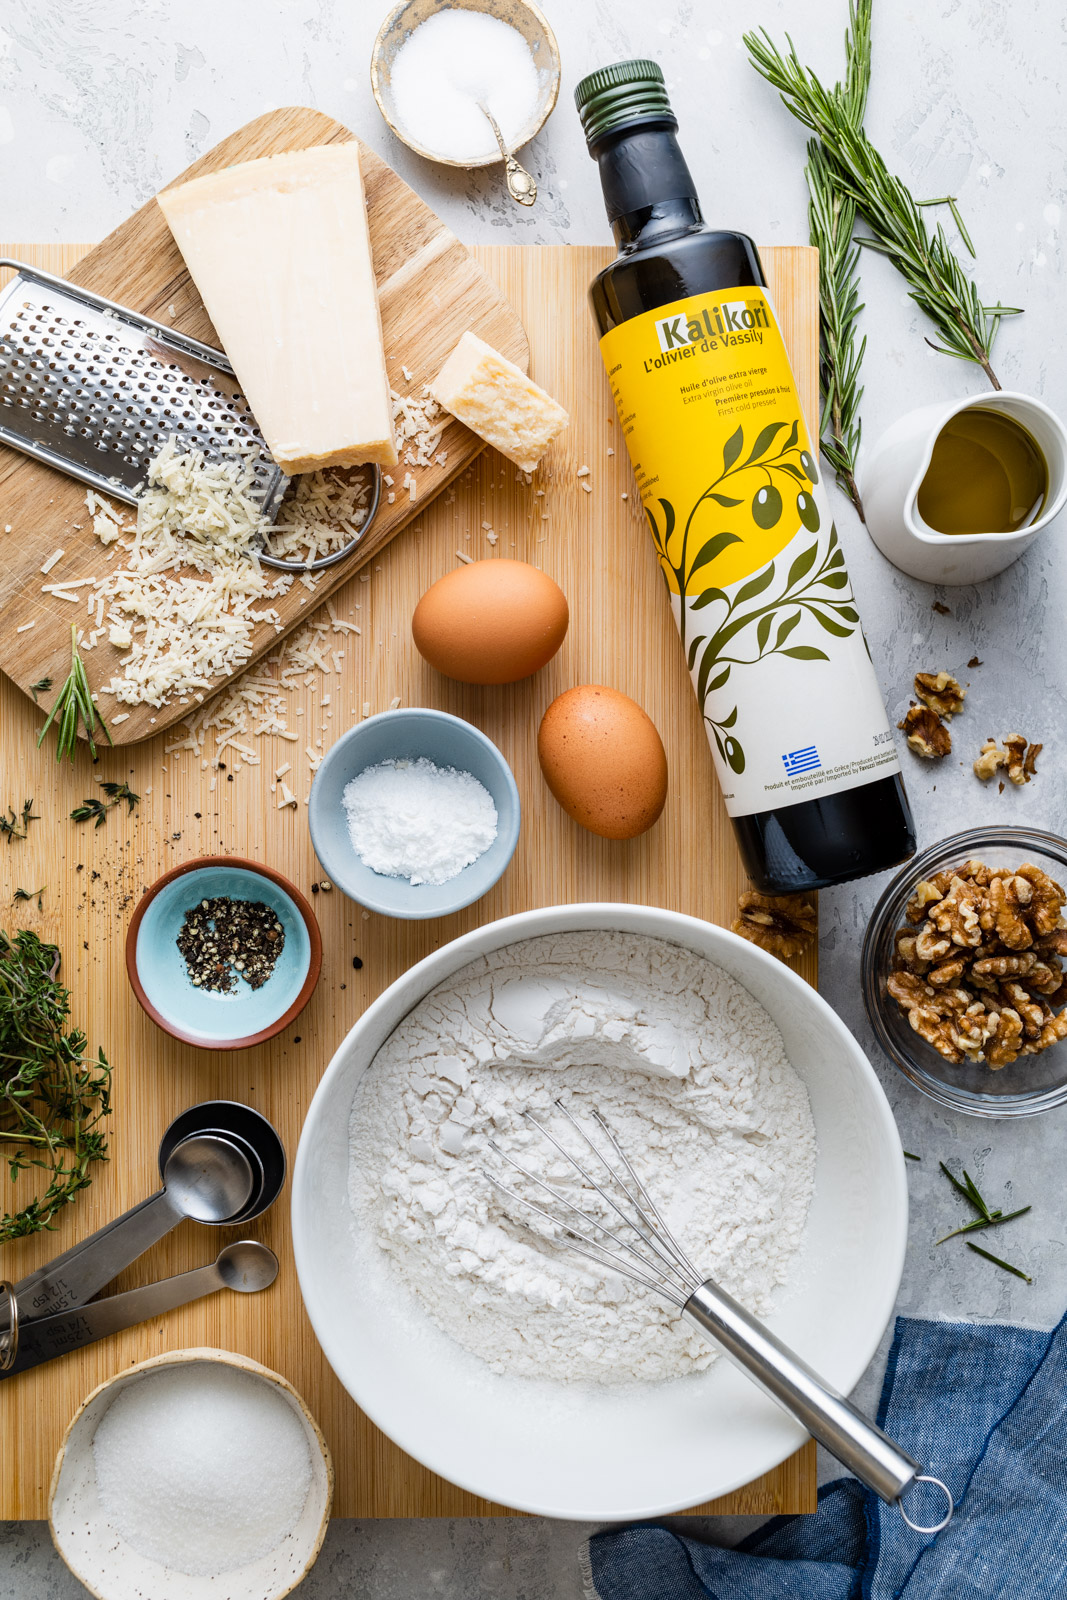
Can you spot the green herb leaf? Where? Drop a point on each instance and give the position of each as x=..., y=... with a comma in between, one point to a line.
x=910, y=1156
x=74, y=704
x=42, y=686
x=980, y=1223
x=1005, y=1266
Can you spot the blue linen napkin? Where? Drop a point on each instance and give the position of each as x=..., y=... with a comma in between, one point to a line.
x=984, y=1407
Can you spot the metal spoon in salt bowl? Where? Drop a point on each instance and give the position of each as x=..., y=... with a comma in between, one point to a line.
x=521, y=186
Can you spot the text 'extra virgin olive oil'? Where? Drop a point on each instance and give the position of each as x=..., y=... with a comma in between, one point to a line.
x=728, y=478
x=986, y=475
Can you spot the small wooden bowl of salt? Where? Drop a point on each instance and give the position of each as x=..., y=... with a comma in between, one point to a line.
x=193, y=1475
x=434, y=64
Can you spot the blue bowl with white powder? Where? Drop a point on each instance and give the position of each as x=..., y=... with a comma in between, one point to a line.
x=414, y=813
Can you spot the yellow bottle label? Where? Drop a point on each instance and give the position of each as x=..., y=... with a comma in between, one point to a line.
x=728, y=477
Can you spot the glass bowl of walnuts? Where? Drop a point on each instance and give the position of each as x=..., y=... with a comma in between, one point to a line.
x=964, y=972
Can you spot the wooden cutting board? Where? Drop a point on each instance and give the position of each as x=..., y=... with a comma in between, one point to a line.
x=597, y=546
x=431, y=291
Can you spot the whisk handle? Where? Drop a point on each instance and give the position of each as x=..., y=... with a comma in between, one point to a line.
x=861, y=1447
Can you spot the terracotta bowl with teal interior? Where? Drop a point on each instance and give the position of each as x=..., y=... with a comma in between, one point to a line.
x=243, y=1016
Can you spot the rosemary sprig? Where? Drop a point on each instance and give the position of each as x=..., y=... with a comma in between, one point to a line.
x=1005, y=1266
x=994, y=1220
x=53, y=1094
x=985, y=1218
x=831, y=219
x=98, y=809
x=936, y=281
x=74, y=704
x=13, y=827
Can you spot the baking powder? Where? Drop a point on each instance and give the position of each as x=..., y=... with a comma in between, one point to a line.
x=690, y=1074
x=412, y=819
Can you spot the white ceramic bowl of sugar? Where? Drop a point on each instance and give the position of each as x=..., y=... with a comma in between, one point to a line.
x=107, y=1563
x=620, y=1452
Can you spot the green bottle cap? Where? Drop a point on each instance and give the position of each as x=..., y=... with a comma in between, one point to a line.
x=627, y=91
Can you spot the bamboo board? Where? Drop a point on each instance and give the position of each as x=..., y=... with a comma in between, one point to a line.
x=597, y=546
x=431, y=291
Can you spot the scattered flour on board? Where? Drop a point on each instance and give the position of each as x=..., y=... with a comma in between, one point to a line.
x=691, y=1075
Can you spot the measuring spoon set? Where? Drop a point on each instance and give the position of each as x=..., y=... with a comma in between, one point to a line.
x=222, y=1164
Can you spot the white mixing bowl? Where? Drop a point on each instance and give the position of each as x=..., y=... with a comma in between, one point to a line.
x=621, y=1452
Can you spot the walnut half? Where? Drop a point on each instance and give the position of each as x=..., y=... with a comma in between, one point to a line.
x=784, y=924
x=941, y=692
x=926, y=733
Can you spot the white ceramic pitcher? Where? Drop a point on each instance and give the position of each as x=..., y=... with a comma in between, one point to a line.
x=896, y=467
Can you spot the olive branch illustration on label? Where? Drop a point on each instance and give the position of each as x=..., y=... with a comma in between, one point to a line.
x=817, y=588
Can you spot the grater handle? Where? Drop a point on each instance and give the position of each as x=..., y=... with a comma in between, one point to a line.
x=832, y=1419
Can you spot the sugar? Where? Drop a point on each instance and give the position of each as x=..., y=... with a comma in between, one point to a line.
x=445, y=66
x=202, y=1467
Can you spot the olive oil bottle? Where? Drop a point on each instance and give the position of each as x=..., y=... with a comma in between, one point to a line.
x=728, y=477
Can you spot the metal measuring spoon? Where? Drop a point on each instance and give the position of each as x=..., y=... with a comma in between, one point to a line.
x=245, y=1267
x=206, y=1177
x=521, y=186
x=68, y=1281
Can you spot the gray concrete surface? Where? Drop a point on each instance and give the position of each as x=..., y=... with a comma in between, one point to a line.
x=102, y=101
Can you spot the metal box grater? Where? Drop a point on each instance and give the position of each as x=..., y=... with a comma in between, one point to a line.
x=96, y=390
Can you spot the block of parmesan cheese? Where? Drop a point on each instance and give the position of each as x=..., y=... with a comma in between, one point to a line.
x=280, y=252
x=498, y=402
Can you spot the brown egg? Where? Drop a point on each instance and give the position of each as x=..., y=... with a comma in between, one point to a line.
x=603, y=760
x=491, y=622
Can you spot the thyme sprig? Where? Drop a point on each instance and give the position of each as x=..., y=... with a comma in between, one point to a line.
x=966, y=326
x=93, y=808
x=53, y=1094
x=17, y=827
x=74, y=704
x=30, y=894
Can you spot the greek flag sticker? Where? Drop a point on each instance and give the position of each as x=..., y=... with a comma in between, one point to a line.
x=801, y=761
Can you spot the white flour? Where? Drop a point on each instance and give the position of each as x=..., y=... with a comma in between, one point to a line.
x=689, y=1072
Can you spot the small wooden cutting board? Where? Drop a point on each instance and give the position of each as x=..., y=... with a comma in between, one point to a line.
x=431, y=291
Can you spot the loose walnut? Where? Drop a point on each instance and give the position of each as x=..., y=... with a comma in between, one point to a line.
x=941, y=692
x=989, y=761
x=1018, y=757
x=784, y=924
x=978, y=968
x=926, y=733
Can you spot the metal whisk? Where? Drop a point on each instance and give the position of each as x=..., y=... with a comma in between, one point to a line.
x=635, y=1241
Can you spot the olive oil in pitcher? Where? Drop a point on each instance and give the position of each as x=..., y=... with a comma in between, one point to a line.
x=729, y=480
x=986, y=475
